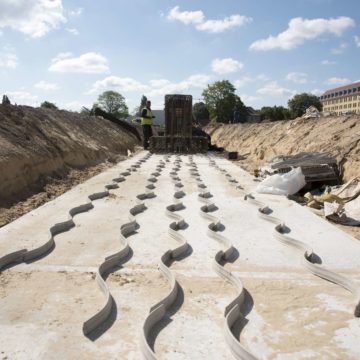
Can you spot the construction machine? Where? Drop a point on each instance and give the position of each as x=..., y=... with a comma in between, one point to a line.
x=179, y=134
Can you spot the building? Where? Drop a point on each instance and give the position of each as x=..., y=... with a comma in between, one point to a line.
x=253, y=116
x=342, y=100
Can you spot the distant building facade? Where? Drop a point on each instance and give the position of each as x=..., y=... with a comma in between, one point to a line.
x=253, y=116
x=342, y=100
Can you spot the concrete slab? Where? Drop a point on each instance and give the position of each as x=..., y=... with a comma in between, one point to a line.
x=289, y=313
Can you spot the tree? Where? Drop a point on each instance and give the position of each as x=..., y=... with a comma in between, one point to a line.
x=220, y=99
x=113, y=103
x=200, y=112
x=274, y=113
x=5, y=100
x=48, y=105
x=137, y=109
x=300, y=102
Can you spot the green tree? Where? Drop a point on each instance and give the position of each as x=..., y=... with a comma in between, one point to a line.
x=200, y=112
x=138, y=109
x=220, y=99
x=274, y=113
x=5, y=100
x=48, y=105
x=113, y=103
x=300, y=102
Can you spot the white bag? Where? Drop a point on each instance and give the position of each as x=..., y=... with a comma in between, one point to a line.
x=285, y=184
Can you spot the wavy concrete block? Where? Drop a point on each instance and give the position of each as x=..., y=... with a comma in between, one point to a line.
x=155, y=316
x=238, y=351
x=307, y=254
x=114, y=260
x=158, y=310
x=233, y=308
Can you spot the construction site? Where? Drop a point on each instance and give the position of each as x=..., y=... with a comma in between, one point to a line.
x=108, y=251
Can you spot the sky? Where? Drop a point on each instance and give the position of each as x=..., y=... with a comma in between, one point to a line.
x=69, y=52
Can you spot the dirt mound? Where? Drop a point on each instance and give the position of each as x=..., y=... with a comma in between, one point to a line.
x=37, y=143
x=259, y=143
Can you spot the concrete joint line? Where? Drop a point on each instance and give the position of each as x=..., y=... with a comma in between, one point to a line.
x=158, y=311
x=306, y=252
x=232, y=311
x=116, y=259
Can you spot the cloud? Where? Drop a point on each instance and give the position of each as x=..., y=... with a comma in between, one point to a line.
x=22, y=97
x=337, y=81
x=273, y=89
x=72, y=31
x=125, y=84
x=156, y=87
x=249, y=99
x=297, y=77
x=357, y=41
x=226, y=66
x=316, y=92
x=196, y=81
x=299, y=30
x=34, y=18
x=328, y=62
x=218, y=26
x=88, y=63
x=245, y=80
x=198, y=19
x=74, y=105
x=159, y=82
x=8, y=59
x=186, y=17
x=76, y=12
x=339, y=50
x=45, y=86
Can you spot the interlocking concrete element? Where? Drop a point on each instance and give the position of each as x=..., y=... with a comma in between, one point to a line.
x=116, y=259
x=308, y=257
x=232, y=310
x=158, y=310
x=25, y=255
x=307, y=253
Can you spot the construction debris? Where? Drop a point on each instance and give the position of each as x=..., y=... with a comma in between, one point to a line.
x=285, y=184
x=311, y=112
x=318, y=168
x=340, y=205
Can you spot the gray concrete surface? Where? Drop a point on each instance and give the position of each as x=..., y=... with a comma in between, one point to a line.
x=290, y=314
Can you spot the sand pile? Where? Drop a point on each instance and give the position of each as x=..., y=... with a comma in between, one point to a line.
x=37, y=143
x=259, y=143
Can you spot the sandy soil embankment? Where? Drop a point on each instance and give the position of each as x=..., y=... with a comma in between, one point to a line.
x=41, y=146
x=259, y=143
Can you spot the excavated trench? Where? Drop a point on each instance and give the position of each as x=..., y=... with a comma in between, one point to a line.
x=165, y=256
x=44, y=153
